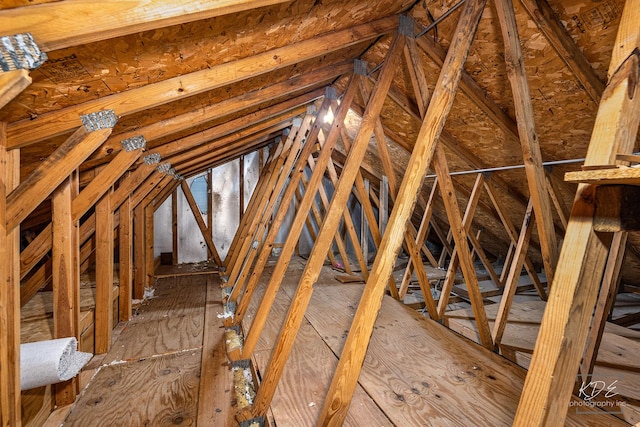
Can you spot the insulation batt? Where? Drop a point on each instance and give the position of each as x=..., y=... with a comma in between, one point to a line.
x=50, y=362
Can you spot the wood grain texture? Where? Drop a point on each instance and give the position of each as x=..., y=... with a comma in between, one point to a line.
x=420, y=373
x=56, y=26
x=572, y=298
x=166, y=390
x=216, y=379
x=11, y=84
x=170, y=322
x=134, y=100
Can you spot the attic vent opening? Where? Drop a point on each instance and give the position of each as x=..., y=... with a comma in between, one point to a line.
x=199, y=190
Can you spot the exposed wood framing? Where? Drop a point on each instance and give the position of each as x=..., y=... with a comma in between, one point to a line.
x=547, y=21
x=348, y=370
x=513, y=235
x=528, y=136
x=148, y=259
x=125, y=241
x=138, y=252
x=55, y=25
x=329, y=227
x=460, y=231
x=10, y=411
x=51, y=172
x=511, y=282
x=315, y=181
x=66, y=283
x=104, y=274
x=103, y=181
x=261, y=196
x=283, y=168
x=206, y=233
x=555, y=361
x=604, y=305
x=57, y=122
x=12, y=83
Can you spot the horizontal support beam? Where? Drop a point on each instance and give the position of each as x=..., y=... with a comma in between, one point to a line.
x=26, y=132
x=56, y=25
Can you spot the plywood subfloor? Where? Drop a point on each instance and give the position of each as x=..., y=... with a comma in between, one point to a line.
x=617, y=357
x=416, y=372
x=153, y=375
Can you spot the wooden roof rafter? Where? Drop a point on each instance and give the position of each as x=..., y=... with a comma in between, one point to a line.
x=56, y=25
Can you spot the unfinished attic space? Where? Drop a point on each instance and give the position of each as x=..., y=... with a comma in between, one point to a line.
x=320, y=213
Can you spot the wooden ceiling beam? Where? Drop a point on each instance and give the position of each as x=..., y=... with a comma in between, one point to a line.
x=71, y=23
x=345, y=378
x=560, y=39
x=532, y=157
x=129, y=184
x=26, y=132
x=240, y=127
x=51, y=172
x=230, y=153
x=472, y=90
x=563, y=332
x=103, y=182
x=308, y=81
x=12, y=83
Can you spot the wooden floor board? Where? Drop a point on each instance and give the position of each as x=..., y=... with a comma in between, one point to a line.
x=158, y=391
x=173, y=320
x=308, y=372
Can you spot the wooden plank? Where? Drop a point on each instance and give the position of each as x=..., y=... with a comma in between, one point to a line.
x=563, y=332
x=149, y=259
x=35, y=251
x=460, y=236
x=10, y=412
x=215, y=396
x=51, y=172
x=556, y=198
x=294, y=404
x=315, y=181
x=558, y=37
x=12, y=83
x=171, y=321
x=329, y=227
x=197, y=215
x=104, y=274
x=281, y=168
x=604, y=306
x=174, y=221
x=287, y=196
x=129, y=184
x=166, y=392
x=238, y=251
x=103, y=181
x=241, y=127
x=56, y=25
x=66, y=284
x=242, y=102
x=511, y=282
x=611, y=176
x=138, y=253
x=420, y=373
x=27, y=132
x=420, y=238
x=513, y=235
x=617, y=208
x=454, y=262
x=125, y=253
x=531, y=154
x=345, y=377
